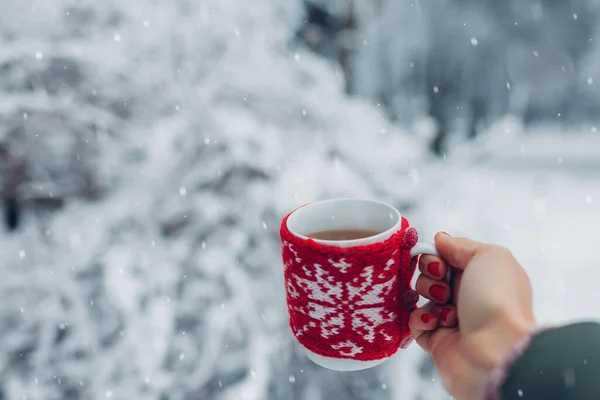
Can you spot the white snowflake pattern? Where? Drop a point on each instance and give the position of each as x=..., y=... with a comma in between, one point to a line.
x=289, y=263
x=367, y=321
x=291, y=289
x=342, y=265
x=391, y=261
x=323, y=290
x=353, y=348
x=291, y=248
x=320, y=286
x=330, y=325
x=367, y=291
x=389, y=264
x=330, y=319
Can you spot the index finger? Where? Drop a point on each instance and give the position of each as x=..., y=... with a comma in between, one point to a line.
x=458, y=252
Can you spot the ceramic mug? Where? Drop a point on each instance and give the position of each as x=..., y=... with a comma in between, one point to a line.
x=349, y=300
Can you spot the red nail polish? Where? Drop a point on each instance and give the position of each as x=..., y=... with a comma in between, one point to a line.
x=427, y=317
x=438, y=292
x=434, y=268
x=443, y=313
x=445, y=233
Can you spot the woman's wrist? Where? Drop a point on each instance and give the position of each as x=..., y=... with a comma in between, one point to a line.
x=492, y=345
x=498, y=375
x=505, y=335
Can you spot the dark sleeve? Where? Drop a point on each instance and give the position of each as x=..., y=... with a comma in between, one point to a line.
x=558, y=364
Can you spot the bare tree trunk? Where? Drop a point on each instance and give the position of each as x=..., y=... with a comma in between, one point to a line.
x=438, y=101
x=346, y=46
x=479, y=112
x=12, y=212
x=13, y=170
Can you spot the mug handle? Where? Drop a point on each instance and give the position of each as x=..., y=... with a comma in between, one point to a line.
x=428, y=248
x=419, y=249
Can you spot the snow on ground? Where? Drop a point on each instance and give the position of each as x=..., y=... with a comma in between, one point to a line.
x=204, y=125
x=537, y=194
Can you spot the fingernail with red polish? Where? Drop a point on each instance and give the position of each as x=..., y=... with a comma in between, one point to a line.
x=427, y=317
x=434, y=268
x=438, y=292
x=443, y=313
x=445, y=233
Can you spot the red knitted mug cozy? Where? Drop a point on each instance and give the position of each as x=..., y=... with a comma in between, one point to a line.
x=350, y=303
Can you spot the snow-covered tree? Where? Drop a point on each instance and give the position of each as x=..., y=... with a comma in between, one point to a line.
x=466, y=63
x=153, y=147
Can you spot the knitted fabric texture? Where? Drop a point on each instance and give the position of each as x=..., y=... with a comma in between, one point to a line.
x=350, y=303
x=497, y=377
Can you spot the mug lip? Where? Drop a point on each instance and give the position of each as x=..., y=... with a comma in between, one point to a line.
x=380, y=237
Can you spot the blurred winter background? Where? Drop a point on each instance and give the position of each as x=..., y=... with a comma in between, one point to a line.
x=149, y=148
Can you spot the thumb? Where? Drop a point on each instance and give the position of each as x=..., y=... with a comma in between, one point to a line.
x=458, y=252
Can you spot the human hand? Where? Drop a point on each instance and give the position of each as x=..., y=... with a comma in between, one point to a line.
x=473, y=322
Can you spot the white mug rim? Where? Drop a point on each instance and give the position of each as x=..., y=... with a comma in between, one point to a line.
x=380, y=237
